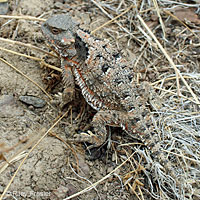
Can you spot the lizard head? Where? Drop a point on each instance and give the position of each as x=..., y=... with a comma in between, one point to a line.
x=60, y=32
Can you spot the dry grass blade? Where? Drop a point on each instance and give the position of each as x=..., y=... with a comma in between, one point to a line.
x=23, y=17
x=140, y=191
x=14, y=159
x=3, y=150
x=98, y=182
x=26, y=45
x=113, y=19
x=36, y=144
x=123, y=28
x=168, y=91
x=21, y=152
x=68, y=146
x=25, y=77
x=81, y=177
x=170, y=61
x=182, y=156
x=167, y=79
x=20, y=54
x=159, y=16
x=34, y=58
x=44, y=64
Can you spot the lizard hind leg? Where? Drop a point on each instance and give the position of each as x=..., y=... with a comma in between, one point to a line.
x=133, y=123
x=99, y=122
x=105, y=118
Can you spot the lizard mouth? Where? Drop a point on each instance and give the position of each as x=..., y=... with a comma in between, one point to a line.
x=65, y=50
x=62, y=50
x=68, y=52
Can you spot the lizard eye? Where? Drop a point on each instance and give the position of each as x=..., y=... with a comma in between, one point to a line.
x=55, y=31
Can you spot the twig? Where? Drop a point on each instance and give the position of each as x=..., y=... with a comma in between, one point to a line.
x=44, y=64
x=20, y=54
x=23, y=17
x=26, y=45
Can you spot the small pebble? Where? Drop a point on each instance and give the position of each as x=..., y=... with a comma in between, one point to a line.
x=4, y=8
x=33, y=101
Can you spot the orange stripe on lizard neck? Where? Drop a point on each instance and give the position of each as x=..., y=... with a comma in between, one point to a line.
x=71, y=60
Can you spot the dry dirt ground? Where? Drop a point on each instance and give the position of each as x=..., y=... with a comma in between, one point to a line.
x=56, y=170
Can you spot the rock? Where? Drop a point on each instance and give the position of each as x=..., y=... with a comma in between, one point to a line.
x=4, y=7
x=33, y=101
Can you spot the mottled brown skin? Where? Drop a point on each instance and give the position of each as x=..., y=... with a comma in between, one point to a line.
x=104, y=77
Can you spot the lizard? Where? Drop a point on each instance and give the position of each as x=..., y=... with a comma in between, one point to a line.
x=105, y=78
x=107, y=83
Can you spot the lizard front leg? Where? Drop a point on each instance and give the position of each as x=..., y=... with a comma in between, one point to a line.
x=69, y=83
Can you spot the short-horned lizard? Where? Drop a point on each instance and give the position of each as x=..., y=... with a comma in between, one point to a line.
x=104, y=77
